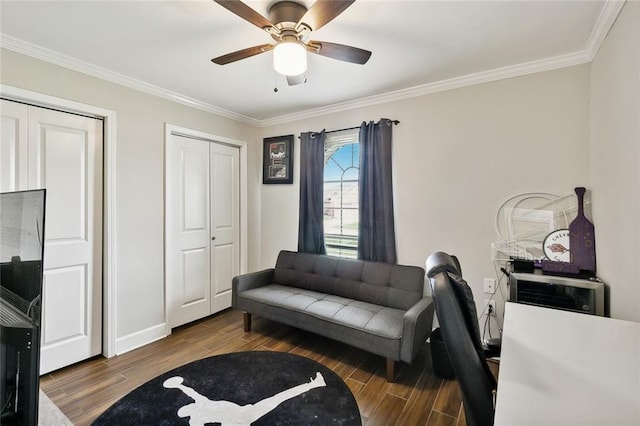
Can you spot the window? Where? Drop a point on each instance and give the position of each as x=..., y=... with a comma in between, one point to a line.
x=341, y=169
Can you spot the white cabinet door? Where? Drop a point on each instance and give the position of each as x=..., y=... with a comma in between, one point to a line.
x=202, y=227
x=63, y=153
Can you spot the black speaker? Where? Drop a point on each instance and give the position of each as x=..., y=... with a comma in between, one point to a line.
x=522, y=265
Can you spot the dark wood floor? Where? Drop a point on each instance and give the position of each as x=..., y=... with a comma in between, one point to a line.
x=418, y=397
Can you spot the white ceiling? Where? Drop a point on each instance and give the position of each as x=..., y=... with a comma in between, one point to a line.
x=165, y=47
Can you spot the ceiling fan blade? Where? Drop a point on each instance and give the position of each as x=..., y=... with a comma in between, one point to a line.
x=339, y=51
x=294, y=80
x=323, y=11
x=242, y=54
x=245, y=12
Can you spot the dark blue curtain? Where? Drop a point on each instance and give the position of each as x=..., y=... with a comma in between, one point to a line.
x=376, y=232
x=311, y=223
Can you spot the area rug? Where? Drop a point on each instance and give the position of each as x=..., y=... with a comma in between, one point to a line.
x=257, y=388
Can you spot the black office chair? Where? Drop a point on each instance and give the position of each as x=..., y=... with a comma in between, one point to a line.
x=456, y=312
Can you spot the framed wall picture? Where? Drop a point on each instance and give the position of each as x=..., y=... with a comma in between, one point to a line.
x=277, y=160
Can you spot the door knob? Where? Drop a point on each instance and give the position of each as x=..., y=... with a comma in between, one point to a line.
x=213, y=238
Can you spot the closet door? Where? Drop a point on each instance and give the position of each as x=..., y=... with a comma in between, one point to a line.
x=225, y=226
x=188, y=272
x=62, y=153
x=13, y=149
x=202, y=227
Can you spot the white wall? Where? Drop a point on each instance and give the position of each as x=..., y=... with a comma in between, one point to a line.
x=458, y=155
x=140, y=120
x=615, y=161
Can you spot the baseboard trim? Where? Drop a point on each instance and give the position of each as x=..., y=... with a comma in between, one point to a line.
x=140, y=338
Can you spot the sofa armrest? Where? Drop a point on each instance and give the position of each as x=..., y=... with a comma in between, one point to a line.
x=416, y=328
x=246, y=282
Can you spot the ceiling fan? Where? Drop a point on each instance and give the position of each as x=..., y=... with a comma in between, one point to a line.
x=289, y=24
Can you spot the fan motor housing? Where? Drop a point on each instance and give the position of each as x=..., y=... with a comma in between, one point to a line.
x=286, y=12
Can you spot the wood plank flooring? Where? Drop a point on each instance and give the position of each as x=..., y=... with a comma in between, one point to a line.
x=418, y=397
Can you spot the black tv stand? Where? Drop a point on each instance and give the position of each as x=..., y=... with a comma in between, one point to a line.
x=21, y=270
x=19, y=349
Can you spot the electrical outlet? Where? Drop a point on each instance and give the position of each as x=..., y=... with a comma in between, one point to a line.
x=489, y=285
x=490, y=307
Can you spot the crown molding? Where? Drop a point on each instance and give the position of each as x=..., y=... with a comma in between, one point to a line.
x=603, y=24
x=47, y=55
x=608, y=15
x=438, y=86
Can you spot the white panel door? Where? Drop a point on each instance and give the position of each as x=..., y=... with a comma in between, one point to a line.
x=225, y=226
x=65, y=157
x=188, y=272
x=202, y=227
x=13, y=150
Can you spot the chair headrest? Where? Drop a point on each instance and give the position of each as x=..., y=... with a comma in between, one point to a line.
x=441, y=262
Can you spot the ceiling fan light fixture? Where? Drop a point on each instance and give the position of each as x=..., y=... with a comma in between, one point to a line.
x=290, y=58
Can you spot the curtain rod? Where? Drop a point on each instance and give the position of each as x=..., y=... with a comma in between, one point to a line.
x=396, y=122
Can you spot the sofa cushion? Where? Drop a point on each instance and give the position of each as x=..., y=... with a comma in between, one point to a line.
x=393, y=286
x=374, y=319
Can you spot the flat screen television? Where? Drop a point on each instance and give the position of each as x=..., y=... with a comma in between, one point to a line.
x=22, y=216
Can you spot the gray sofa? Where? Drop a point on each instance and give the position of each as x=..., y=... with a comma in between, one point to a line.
x=374, y=306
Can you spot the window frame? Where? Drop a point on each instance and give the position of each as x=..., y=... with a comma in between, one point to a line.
x=333, y=143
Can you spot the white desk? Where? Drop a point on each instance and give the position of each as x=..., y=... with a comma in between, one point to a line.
x=561, y=368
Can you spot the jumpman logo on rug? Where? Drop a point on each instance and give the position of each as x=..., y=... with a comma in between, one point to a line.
x=203, y=410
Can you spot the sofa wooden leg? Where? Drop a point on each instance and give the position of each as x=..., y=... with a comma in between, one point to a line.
x=391, y=364
x=247, y=322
